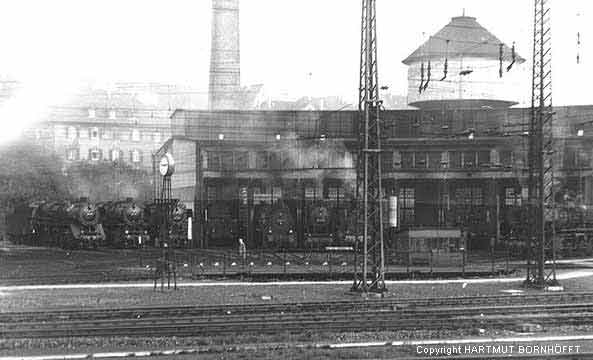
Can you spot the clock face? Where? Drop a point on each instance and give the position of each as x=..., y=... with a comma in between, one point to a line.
x=166, y=165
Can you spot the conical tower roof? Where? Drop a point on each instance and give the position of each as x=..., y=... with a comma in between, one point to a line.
x=467, y=38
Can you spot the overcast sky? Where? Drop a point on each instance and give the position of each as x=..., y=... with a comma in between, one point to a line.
x=297, y=47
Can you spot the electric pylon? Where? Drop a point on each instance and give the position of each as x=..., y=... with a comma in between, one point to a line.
x=541, y=257
x=371, y=276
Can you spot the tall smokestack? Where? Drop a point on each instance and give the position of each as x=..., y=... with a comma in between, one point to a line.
x=225, y=59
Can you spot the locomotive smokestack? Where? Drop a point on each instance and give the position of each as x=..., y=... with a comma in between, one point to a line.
x=225, y=60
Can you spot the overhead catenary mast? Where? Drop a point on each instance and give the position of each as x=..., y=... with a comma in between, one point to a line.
x=370, y=277
x=541, y=257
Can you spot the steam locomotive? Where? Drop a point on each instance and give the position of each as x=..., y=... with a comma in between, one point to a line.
x=222, y=228
x=125, y=224
x=82, y=224
x=65, y=224
x=275, y=226
x=178, y=224
x=573, y=231
x=68, y=225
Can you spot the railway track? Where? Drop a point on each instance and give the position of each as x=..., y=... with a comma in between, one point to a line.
x=452, y=313
x=452, y=318
x=63, y=279
x=320, y=306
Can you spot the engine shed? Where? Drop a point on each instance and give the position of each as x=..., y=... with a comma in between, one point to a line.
x=449, y=169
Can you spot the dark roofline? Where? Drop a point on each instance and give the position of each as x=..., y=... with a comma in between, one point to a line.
x=437, y=41
x=194, y=111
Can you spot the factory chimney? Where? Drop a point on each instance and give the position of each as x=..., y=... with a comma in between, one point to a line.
x=225, y=60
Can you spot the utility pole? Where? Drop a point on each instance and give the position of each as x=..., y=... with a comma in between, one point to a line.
x=541, y=233
x=368, y=167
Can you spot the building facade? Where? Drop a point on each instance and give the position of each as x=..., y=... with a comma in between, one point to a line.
x=125, y=123
x=232, y=163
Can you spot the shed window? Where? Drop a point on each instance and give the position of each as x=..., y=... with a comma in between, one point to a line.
x=261, y=160
x=407, y=159
x=407, y=201
x=434, y=159
x=420, y=160
x=213, y=160
x=226, y=160
x=454, y=159
x=241, y=160
x=136, y=156
x=483, y=158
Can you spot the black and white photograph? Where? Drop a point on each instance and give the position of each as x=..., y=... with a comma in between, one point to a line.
x=296, y=179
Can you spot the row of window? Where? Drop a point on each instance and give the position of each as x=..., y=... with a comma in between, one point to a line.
x=402, y=124
x=242, y=160
x=470, y=198
x=112, y=113
x=134, y=156
x=576, y=158
x=466, y=195
x=442, y=160
x=266, y=192
x=94, y=133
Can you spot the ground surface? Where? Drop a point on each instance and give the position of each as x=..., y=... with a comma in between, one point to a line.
x=34, y=265
x=295, y=346
x=31, y=300
x=13, y=299
x=43, y=264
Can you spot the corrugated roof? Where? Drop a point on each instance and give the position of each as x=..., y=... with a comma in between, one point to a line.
x=466, y=38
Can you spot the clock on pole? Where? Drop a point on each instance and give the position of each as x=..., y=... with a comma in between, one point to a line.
x=167, y=165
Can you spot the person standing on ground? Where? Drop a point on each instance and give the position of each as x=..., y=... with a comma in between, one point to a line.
x=242, y=250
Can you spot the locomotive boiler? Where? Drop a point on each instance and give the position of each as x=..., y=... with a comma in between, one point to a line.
x=221, y=224
x=125, y=224
x=319, y=227
x=67, y=224
x=176, y=216
x=179, y=228
x=276, y=227
x=327, y=225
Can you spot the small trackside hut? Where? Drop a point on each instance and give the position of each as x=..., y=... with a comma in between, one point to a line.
x=424, y=246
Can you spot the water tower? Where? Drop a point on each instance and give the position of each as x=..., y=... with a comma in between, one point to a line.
x=462, y=66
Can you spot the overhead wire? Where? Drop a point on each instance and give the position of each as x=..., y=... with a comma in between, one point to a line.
x=446, y=65
x=578, y=23
x=474, y=44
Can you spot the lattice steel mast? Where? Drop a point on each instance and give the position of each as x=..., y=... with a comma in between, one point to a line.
x=371, y=277
x=541, y=151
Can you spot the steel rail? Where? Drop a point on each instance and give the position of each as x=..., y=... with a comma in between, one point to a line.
x=322, y=306
x=320, y=322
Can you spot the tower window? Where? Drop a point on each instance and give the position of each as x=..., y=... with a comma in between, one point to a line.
x=95, y=155
x=72, y=154
x=135, y=135
x=94, y=134
x=114, y=155
x=72, y=133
